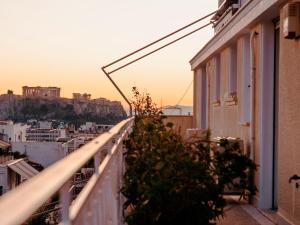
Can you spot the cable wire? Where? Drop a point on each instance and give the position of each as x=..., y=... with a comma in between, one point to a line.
x=160, y=39
x=146, y=46
x=181, y=98
x=185, y=92
x=150, y=53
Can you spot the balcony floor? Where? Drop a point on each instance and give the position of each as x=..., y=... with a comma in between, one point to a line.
x=240, y=213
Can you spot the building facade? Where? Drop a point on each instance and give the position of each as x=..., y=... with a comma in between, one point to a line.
x=45, y=135
x=246, y=85
x=41, y=91
x=12, y=132
x=45, y=125
x=13, y=173
x=44, y=153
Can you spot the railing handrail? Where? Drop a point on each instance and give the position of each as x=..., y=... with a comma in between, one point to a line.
x=32, y=194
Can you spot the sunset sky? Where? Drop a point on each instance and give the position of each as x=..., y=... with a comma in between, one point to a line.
x=65, y=43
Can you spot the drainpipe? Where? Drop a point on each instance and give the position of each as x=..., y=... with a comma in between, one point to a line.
x=253, y=99
x=253, y=87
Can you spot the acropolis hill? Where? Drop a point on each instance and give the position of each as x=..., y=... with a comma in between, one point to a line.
x=45, y=103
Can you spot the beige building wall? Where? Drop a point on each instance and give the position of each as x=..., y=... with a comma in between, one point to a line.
x=223, y=119
x=289, y=128
x=181, y=123
x=227, y=118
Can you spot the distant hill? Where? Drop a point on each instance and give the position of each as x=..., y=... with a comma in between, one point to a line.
x=20, y=109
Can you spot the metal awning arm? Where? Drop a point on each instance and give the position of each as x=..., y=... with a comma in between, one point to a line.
x=119, y=90
x=150, y=53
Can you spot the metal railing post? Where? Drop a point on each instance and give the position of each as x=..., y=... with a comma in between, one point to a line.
x=65, y=201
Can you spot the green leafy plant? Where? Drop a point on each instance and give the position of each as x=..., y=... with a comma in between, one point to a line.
x=230, y=167
x=233, y=168
x=168, y=181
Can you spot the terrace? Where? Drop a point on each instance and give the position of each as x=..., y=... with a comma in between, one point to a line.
x=100, y=201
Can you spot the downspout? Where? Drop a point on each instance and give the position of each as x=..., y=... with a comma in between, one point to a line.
x=253, y=93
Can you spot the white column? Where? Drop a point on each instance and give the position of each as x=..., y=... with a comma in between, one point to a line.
x=200, y=98
x=197, y=98
x=266, y=77
x=204, y=100
x=245, y=85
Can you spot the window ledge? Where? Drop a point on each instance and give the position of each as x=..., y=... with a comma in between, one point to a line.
x=216, y=103
x=230, y=102
x=244, y=124
x=231, y=99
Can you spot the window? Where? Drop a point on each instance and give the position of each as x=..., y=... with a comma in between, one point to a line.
x=217, y=81
x=231, y=96
x=232, y=70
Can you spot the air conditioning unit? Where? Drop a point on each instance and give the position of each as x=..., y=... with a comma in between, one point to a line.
x=193, y=135
x=291, y=20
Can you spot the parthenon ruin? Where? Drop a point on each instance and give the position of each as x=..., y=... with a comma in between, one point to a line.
x=41, y=91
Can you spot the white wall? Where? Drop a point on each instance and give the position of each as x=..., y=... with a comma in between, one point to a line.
x=3, y=178
x=62, y=133
x=197, y=97
x=15, y=132
x=44, y=153
x=45, y=125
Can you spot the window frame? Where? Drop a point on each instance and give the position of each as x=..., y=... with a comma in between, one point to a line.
x=231, y=94
x=217, y=80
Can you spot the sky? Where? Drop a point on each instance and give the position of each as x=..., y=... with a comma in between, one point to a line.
x=65, y=43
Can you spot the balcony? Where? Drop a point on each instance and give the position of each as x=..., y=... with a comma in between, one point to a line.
x=227, y=8
x=100, y=201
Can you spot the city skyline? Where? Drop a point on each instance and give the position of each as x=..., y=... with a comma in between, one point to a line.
x=65, y=44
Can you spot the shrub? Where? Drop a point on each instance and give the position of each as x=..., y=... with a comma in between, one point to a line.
x=168, y=181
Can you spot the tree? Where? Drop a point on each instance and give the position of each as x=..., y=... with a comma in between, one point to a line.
x=10, y=92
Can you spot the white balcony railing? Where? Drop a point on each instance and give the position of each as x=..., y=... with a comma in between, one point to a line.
x=98, y=203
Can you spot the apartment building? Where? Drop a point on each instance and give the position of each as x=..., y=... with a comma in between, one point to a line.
x=246, y=85
x=13, y=173
x=45, y=135
x=12, y=132
x=43, y=153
